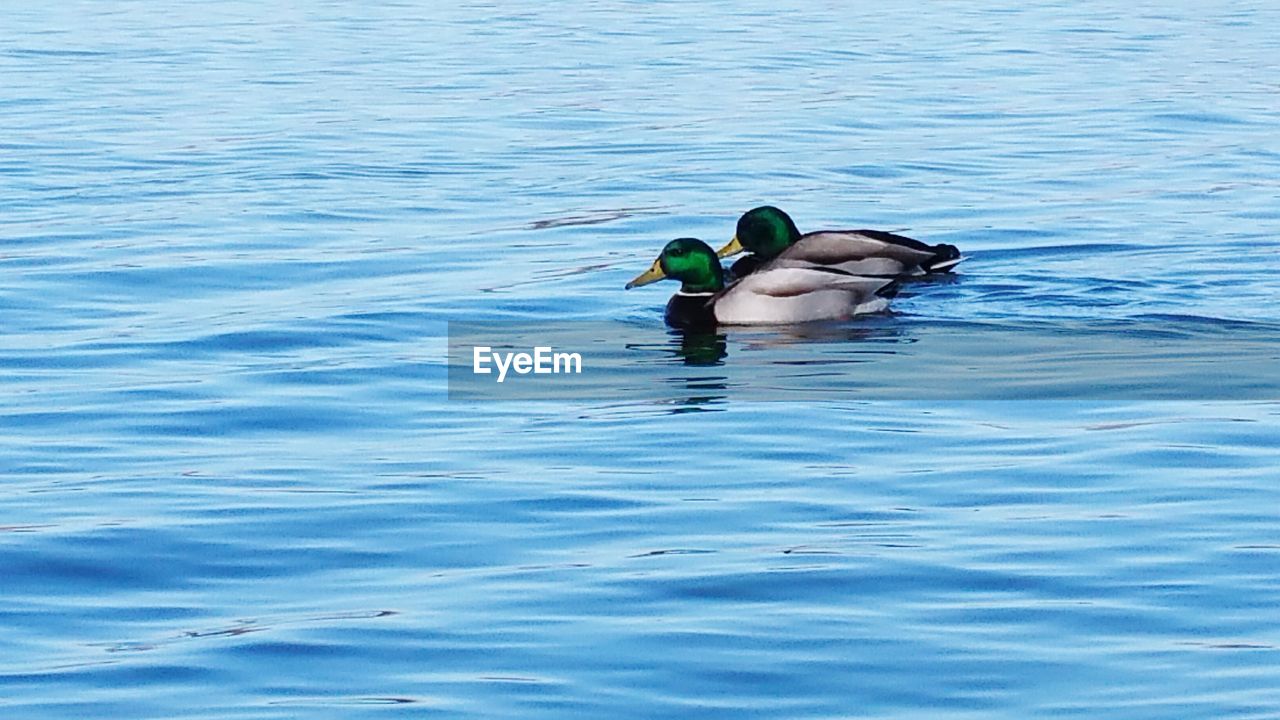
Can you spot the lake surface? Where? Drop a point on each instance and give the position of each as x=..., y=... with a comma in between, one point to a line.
x=233, y=238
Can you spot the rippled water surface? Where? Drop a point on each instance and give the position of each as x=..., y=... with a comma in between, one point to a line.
x=232, y=236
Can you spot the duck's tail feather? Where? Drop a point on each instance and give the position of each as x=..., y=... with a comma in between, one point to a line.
x=890, y=290
x=945, y=257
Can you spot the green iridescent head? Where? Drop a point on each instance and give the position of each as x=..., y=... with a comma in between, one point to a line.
x=688, y=260
x=764, y=231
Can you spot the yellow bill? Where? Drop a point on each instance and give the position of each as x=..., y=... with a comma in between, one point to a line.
x=733, y=248
x=652, y=275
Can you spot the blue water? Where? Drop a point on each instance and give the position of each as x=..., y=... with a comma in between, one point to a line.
x=231, y=236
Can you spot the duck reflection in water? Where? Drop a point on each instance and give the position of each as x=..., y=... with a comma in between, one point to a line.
x=698, y=391
x=700, y=347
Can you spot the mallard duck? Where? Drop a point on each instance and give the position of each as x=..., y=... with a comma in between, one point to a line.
x=770, y=234
x=770, y=295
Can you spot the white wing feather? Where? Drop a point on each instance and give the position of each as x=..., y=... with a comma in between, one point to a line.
x=798, y=294
x=793, y=281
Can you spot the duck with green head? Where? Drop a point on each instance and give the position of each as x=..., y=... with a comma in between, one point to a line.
x=771, y=236
x=770, y=295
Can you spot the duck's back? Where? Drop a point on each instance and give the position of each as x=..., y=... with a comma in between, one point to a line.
x=868, y=252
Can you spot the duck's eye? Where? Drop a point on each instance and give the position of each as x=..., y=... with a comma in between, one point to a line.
x=677, y=251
